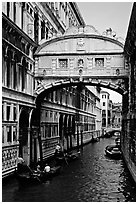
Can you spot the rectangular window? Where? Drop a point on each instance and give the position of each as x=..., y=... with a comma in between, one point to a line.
x=31, y=68
x=14, y=13
x=49, y=130
x=2, y=112
x=27, y=7
x=15, y=76
x=103, y=122
x=22, y=14
x=103, y=103
x=109, y=113
x=63, y=63
x=51, y=113
x=8, y=9
x=47, y=33
x=108, y=121
x=56, y=96
x=31, y=11
x=2, y=134
x=9, y=134
x=99, y=62
x=14, y=113
x=8, y=113
x=103, y=113
x=14, y=134
x=36, y=27
x=23, y=46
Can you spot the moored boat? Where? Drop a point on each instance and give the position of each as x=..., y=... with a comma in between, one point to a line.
x=27, y=178
x=48, y=175
x=35, y=177
x=73, y=156
x=113, y=151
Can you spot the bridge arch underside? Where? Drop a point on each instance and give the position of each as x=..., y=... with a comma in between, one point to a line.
x=45, y=88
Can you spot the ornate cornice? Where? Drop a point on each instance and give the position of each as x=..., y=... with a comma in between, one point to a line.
x=13, y=27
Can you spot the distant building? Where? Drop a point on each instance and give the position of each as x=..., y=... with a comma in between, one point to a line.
x=97, y=110
x=106, y=105
x=128, y=139
x=117, y=115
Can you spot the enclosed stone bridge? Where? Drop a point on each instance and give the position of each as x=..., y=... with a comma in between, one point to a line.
x=83, y=56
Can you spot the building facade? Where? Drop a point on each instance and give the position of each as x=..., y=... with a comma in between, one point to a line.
x=98, y=110
x=39, y=46
x=117, y=115
x=106, y=105
x=129, y=101
x=24, y=26
x=67, y=116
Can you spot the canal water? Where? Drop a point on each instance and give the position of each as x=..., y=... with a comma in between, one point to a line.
x=91, y=178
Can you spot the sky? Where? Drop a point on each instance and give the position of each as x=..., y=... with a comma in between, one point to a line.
x=103, y=15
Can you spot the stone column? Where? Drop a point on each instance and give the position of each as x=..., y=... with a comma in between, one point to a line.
x=29, y=135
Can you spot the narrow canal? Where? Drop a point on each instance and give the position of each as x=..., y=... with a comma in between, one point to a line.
x=91, y=178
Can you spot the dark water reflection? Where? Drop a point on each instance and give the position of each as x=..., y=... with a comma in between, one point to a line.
x=93, y=177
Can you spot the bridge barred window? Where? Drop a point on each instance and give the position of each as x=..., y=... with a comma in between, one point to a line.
x=99, y=62
x=63, y=63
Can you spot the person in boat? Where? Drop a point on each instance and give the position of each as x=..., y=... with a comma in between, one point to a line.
x=38, y=169
x=20, y=164
x=59, y=154
x=47, y=168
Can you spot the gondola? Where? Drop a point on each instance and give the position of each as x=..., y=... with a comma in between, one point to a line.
x=66, y=157
x=34, y=177
x=48, y=175
x=113, y=151
x=27, y=178
x=73, y=156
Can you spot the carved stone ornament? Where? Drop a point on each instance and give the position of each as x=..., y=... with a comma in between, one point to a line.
x=80, y=63
x=80, y=44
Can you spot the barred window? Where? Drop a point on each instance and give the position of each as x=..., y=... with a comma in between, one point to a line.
x=63, y=63
x=99, y=62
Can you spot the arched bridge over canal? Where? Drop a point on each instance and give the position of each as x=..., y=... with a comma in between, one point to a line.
x=81, y=55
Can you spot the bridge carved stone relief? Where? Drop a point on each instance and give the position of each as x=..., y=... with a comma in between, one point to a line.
x=81, y=55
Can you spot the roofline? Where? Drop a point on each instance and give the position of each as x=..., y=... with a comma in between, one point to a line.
x=65, y=37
